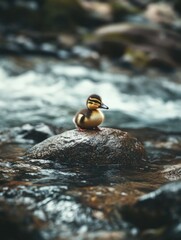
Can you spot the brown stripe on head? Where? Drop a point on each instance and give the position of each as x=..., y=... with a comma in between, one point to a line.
x=95, y=98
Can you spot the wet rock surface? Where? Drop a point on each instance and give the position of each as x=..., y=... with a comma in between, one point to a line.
x=159, y=209
x=108, y=146
x=45, y=199
x=27, y=210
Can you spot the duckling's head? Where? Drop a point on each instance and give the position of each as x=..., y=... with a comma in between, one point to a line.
x=94, y=101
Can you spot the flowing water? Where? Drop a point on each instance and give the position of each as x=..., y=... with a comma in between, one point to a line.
x=73, y=201
x=52, y=92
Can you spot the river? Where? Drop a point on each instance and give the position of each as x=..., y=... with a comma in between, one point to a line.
x=52, y=92
x=72, y=202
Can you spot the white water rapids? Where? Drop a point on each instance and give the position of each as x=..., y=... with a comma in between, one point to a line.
x=53, y=94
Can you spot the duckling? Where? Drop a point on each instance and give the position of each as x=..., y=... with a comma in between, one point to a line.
x=90, y=117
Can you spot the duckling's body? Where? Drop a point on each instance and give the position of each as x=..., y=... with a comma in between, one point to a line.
x=91, y=117
x=87, y=119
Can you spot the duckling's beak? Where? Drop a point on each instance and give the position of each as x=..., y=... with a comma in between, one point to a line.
x=104, y=106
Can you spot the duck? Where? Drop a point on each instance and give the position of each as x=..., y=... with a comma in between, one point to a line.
x=91, y=117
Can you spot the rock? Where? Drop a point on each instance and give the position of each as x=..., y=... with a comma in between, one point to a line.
x=28, y=133
x=161, y=13
x=99, y=10
x=156, y=209
x=158, y=47
x=46, y=212
x=108, y=146
x=37, y=133
x=156, y=215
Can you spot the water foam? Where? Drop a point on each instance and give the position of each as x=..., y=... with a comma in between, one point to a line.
x=34, y=96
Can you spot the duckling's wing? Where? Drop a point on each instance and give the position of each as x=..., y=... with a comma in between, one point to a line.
x=79, y=117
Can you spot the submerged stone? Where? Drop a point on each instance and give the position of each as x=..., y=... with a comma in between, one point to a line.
x=108, y=146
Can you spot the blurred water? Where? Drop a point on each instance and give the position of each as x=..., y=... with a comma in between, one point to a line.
x=54, y=92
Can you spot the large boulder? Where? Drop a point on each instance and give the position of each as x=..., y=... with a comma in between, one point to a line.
x=108, y=146
x=142, y=45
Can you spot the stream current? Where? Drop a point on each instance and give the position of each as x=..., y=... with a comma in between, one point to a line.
x=73, y=202
x=52, y=92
